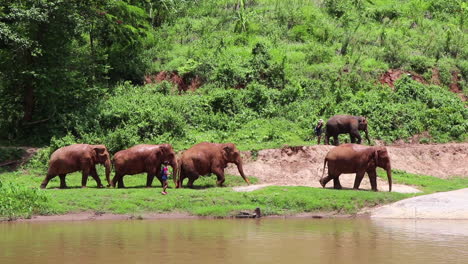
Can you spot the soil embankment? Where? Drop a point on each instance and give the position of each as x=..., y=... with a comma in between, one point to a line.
x=303, y=166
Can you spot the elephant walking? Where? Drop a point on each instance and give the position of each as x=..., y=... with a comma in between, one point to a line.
x=78, y=157
x=359, y=159
x=342, y=124
x=205, y=158
x=143, y=158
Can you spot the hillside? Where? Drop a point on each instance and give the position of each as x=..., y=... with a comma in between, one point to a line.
x=258, y=73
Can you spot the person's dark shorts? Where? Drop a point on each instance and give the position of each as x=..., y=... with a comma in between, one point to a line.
x=318, y=132
x=164, y=178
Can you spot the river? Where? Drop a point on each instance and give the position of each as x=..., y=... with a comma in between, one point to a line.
x=235, y=241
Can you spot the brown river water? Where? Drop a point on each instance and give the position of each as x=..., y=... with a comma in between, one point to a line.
x=235, y=241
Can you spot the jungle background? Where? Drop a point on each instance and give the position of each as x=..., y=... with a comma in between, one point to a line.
x=258, y=73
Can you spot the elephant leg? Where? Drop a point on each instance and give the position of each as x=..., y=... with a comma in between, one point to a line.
x=181, y=180
x=115, y=179
x=84, y=177
x=149, y=179
x=358, y=179
x=336, y=141
x=354, y=134
x=190, y=182
x=326, y=179
x=192, y=178
x=120, y=183
x=219, y=175
x=327, y=139
x=63, y=183
x=46, y=180
x=95, y=176
x=160, y=180
x=336, y=183
x=373, y=179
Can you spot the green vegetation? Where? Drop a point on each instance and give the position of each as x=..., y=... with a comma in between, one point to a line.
x=20, y=201
x=7, y=154
x=428, y=184
x=78, y=67
x=205, y=200
x=73, y=72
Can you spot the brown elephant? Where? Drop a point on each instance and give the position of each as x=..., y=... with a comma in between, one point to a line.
x=78, y=157
x=205, y=158
x=342, y=124
x=143, y=158
x=359, y=159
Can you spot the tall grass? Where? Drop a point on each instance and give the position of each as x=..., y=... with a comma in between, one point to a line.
x=18, y=201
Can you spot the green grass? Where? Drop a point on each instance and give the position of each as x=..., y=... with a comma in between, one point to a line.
x=17, y=201
x=207, y=199
x=427, y=184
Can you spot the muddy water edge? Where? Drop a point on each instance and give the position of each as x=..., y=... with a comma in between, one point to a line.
x=235, y=241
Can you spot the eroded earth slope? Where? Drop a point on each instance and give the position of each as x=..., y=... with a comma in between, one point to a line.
x=304, y=165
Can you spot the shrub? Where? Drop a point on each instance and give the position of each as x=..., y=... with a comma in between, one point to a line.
x=19, y=201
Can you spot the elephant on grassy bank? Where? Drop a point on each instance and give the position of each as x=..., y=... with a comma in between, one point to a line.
x=342, y=124
x=78, y=157
x=205, y=158
x=143, y=158
x=359, y=159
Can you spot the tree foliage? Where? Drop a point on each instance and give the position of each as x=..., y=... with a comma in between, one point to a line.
x=58, y=57
x=71, y=71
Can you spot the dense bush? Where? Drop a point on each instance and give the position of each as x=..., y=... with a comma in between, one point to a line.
x=258, y=117
x=10, y=154
x=19, y=201
x=270, y=69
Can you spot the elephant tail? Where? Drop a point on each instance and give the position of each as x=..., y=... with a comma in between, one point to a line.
x=112, y=165
x=176, y=177
x=323, y=171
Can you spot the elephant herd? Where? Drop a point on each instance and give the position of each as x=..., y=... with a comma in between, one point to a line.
x=205, y=158
x=201, y=159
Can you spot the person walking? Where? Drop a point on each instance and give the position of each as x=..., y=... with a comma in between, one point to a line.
x=318, y=130
x=164, y=175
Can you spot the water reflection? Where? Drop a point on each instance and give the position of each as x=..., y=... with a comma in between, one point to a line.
x=236, y=241
x=425, y=229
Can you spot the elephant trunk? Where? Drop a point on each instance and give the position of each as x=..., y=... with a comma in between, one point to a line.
x=389, y=176
x=367, y=136
x=107, y=165
x=241, y=171
x=175, y=172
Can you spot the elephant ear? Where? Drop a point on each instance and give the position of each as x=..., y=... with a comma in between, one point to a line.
x=227, y=151
x=100, y=151
x=161, y=151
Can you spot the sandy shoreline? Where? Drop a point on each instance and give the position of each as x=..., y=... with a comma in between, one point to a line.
x=94, y=216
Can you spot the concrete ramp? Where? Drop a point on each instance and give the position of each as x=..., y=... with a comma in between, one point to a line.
x=446, y=205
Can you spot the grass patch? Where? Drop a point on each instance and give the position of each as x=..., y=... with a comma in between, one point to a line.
x=205, y=200
x=427, y=184
x=18, y=201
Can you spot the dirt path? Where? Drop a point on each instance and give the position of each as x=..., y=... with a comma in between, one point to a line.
x=13, y=164
x=303, y=166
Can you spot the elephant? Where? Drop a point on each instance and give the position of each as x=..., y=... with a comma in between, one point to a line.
x=78, y=157
x=204, y=158
x=143, y=158
x=359, y=159
x=342, y=124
